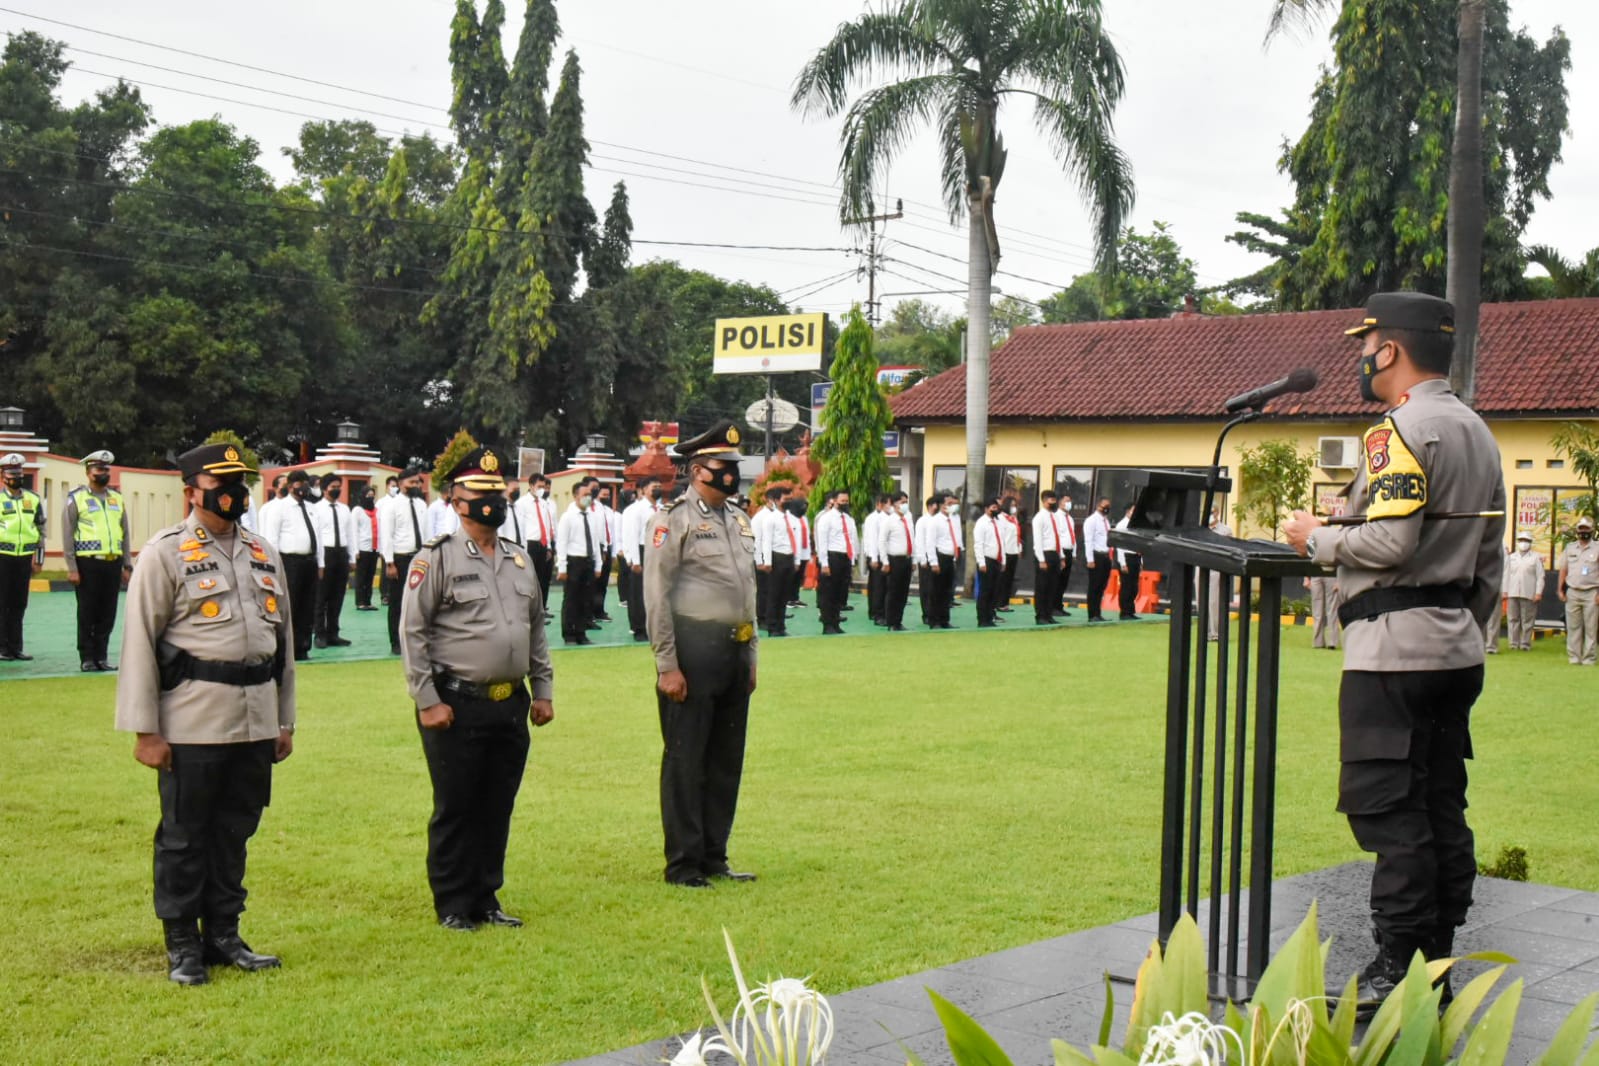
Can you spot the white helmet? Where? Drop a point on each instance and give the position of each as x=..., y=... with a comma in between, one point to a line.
x=101, y=456
x=12, y=459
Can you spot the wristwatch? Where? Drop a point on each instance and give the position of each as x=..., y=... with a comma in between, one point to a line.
x=1310, y=546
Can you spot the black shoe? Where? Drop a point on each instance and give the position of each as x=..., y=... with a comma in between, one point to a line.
x=847, y=607
x=338, y=642
x=7, y=657
x=89, y=666
x=828, y=631
x=584, y=640
x=1129, y=618
x=1043, y=621
x=1004, y=610
x=1381, y=975
x=641, y=637
x=499, y=917
x=987, y=625
x=385, y=601
x=394, y=649
x=305, y=656
x=22, y=657
x=896, y=629
x=594, y=627
x=321, y=642
x=796, y=603
x=105, y=666
x=777, y=633
x=368, y=607
x=731, y=875
x=943, y=625
x=224, y=947
x=692, y=882
x=1065, y=614
x=458, y=923
x=603, y=617
x=185, y=954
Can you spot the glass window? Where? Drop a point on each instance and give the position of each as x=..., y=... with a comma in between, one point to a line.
x=950, y=479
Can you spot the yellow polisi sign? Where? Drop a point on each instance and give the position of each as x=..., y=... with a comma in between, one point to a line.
x=774, y=344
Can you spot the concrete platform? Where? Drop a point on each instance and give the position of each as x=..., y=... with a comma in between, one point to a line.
x=1054, y=989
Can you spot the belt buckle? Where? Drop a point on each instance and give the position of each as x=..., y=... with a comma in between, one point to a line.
x=743, y=632
x=500, y=691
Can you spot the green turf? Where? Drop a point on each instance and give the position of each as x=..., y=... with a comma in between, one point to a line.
x=907, y=803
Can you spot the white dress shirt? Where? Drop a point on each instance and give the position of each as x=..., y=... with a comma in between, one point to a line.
x=1123, y=552
x=330, y=515
x=1010, y=534
x=512, y=529
x=1096, y=534
x=768, y=525
x=895, y=536
x=572, y=544
x=264, y=514
x=869, y=527
x=397, y=534
x=1049, y=535
x=802, y=537
x=441, y=519
x=287, y=531
x=363, y=533
x=636, y=518
x=988, y=542
x=835, y=532
x=944, y=536
x=530, y=509
x=613, y=527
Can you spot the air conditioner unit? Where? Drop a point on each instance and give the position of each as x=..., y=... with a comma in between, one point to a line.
x=1338, y=453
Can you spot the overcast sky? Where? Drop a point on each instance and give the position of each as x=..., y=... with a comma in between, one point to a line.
x=1206, y=111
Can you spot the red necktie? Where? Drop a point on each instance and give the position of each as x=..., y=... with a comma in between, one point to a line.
x=954, y=544
x=792, y=549
x=907, y=526
x=843, y=525
x=544, y=533
x=1056, y=527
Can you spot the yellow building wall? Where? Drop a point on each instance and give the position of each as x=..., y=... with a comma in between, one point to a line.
x=154, y=499
x=1527, y=457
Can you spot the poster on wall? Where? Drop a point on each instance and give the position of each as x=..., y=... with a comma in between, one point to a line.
x=1534, y=516
x=1330, y=499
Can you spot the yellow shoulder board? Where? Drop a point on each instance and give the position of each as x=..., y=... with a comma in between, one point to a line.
x=1396, y=485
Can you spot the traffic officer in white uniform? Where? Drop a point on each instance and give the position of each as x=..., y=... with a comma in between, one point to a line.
x=207, y=684
x=94, y=545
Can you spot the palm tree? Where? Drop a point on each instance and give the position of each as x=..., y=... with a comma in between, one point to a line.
x=1567, y=279
x=1463, y=285
x=958, y=61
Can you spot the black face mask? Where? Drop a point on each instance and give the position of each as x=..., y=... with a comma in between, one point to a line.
x=100, y=480
x=333, y=494
x=486, y=511
x=1104, y=511
x=1368, y=377
x=725, y=480
x=797, y=509
x=228, y=502
x=515, y=494
x=369, y=502
x=283, y=490
x=843, y=508
x=1052, y=505
x=298, y=492
x=14, y=480
x=414, y=492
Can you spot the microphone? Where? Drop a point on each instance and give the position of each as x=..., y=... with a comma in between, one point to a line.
x=1302, y=380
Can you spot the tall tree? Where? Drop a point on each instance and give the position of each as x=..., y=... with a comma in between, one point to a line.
x=959, y=61
x=1152, y=280
x=850, y=448
x=1567, y=280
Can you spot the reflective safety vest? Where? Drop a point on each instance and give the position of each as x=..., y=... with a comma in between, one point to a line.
x=19, y=523
x=99, y=529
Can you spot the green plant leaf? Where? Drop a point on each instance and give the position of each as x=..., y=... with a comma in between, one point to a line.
x=1566, y=1048
x=1145, y=989
x=1066, y=1055
x=1294, y=972
x=969, y=1043
x=1183, y=985
x=1342, y=1024
x=1418, y=1043
x=1491, y=1036
x=1467, y=1000
x=1107, y=1056
x=1106, y=1018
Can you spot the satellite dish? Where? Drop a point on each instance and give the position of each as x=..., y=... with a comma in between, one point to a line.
x=785, y=416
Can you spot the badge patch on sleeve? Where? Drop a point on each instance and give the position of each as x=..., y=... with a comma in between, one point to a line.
x=659, y=538
x=419, y=570
x=1396, y=485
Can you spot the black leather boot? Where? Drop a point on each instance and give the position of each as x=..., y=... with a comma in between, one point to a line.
x=184, y=952
x=1382, y=974
x=1441, y=945
x=224, y=947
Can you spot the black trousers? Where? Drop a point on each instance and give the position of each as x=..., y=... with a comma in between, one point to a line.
x=385, y=583
x=624, y=581
x=1046, y=597
x=990, y=585
x=15, y=573
x=476, y=767
x=702, y=761
x=99, y=581
x=832, y=589
x=781, y=583
x=896, y=588
x=1065, y=576
x=299, y=573
x=942, y=593
x=543, y=565
x=330, y=591
x=577, y=604
x=876, y=584
x=765, y=581
x=637, y=619
x=211, y=803
x=1129, y=584
x=1098, y=579
x=1404, y=739
x=601, y=582
x=796, y=583
x=1008, y=576
x=366, y=564
x=402, y=563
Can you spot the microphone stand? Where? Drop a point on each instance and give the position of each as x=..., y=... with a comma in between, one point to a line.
x=1213, y=477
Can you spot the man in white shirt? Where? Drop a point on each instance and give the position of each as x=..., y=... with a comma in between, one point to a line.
x=837, y=545
x=1096, y=549
x=875, y=574
x=274, y=495
x=335, y=536
x=291, y=529
x=800, y=537
x=933, y=512
x=1049, y=546
x=400, y=536
x=896, y=549
x=537, y=512
x=1068, y=526
x=1523, y=588
x=441, y=517
x=577, y=564
x=607, y=525
x=770, y=525
x=946, y=542
x=988, y=548
x=1131, y=565
x=636, y=524
x=391, y=492
x=364, y=542
x=1010, y=538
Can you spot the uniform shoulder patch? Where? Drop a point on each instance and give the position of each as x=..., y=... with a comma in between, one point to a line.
x=436, y=541
x=418, y=571
x=671, y=504
x=1396, y=484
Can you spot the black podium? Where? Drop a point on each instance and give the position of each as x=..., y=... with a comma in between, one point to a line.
x=1166, y=525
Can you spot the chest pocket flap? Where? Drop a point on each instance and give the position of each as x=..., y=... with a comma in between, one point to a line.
x=209, y=601
x=467, y=592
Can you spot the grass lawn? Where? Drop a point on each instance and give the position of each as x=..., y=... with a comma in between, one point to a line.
x=907, y=802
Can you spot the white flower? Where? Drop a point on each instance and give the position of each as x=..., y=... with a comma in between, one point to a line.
x=695, y=1049
x=1192, y=1040
x=784, y=1022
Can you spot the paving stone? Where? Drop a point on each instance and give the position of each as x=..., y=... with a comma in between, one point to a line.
x=1527, y=946
x=973, y=994
x=1579, y=903
x=1570, y=924
x=1568, y=986
x=860, y=1024
x=1024, y=1049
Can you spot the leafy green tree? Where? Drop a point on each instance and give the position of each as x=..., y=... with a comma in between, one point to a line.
x=959, y=61
x=1579, y=443
x=1153, y=279
x=920, y=335
x=1566, y=280
x=247, y=453
x=1274, y=478
x=1008, y=314
x=445, y=461
x=850, y=447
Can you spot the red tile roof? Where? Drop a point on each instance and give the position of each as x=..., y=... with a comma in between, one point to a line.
x=1538, y=358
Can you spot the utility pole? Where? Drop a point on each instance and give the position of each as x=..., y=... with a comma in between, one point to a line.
x=872, y=254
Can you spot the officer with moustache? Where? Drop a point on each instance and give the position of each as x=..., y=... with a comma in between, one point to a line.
x=94, y=545
x=1418, y=587
x=699, y=588
x=207, y=685
x=473, y=630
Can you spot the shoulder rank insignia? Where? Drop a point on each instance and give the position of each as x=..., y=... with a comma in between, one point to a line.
x=516, y=557
x=196, y=555
x=419, y=570
x=703, y=508
x=436, y=541
x=188, y=545
x=671, y=504
x=199, y=533
x=1396, y=484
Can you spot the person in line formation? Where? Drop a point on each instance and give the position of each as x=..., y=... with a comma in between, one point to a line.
x=1523, y=588
x=22, y=527
x=94, y=546
x=538, y=517
x=334, y=535
x=942, y=545
x=207, y=688
x=1324, y=603
x=291, y=529
x=1130, y=565
x=625, y=498
x=364, y=542
x=441, y=518
x=1010, y=538
x=636, y=521
x=1416, y=596
x=800, y=531
x=775, y=548
x=988, y=548
x=874, y=564
x=607, y=524
x=1068, y=526
x=1490, y=628
x=578, y=565
x=399, y=539
x=1052, y=545
x=1096, y=553
x=699, y=584
x=836, y=544
x=1579, y=591
x=896, y=554
x=472, y=629
x=391, y=491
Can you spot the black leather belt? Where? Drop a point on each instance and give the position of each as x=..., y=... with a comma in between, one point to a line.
x=494, y=691
x=185, y=667
x=1373, y=603
x=739, y=633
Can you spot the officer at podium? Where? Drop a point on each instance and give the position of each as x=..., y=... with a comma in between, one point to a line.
x=1420, y=576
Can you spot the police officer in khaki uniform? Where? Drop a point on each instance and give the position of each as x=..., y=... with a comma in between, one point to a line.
x=1418, y=587
x=207, y=683
x=1579, y=591
x=471, y=628
x=94, y=545
x=699, y=590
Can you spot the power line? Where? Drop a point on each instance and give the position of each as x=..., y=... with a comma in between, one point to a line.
x=820, y=288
